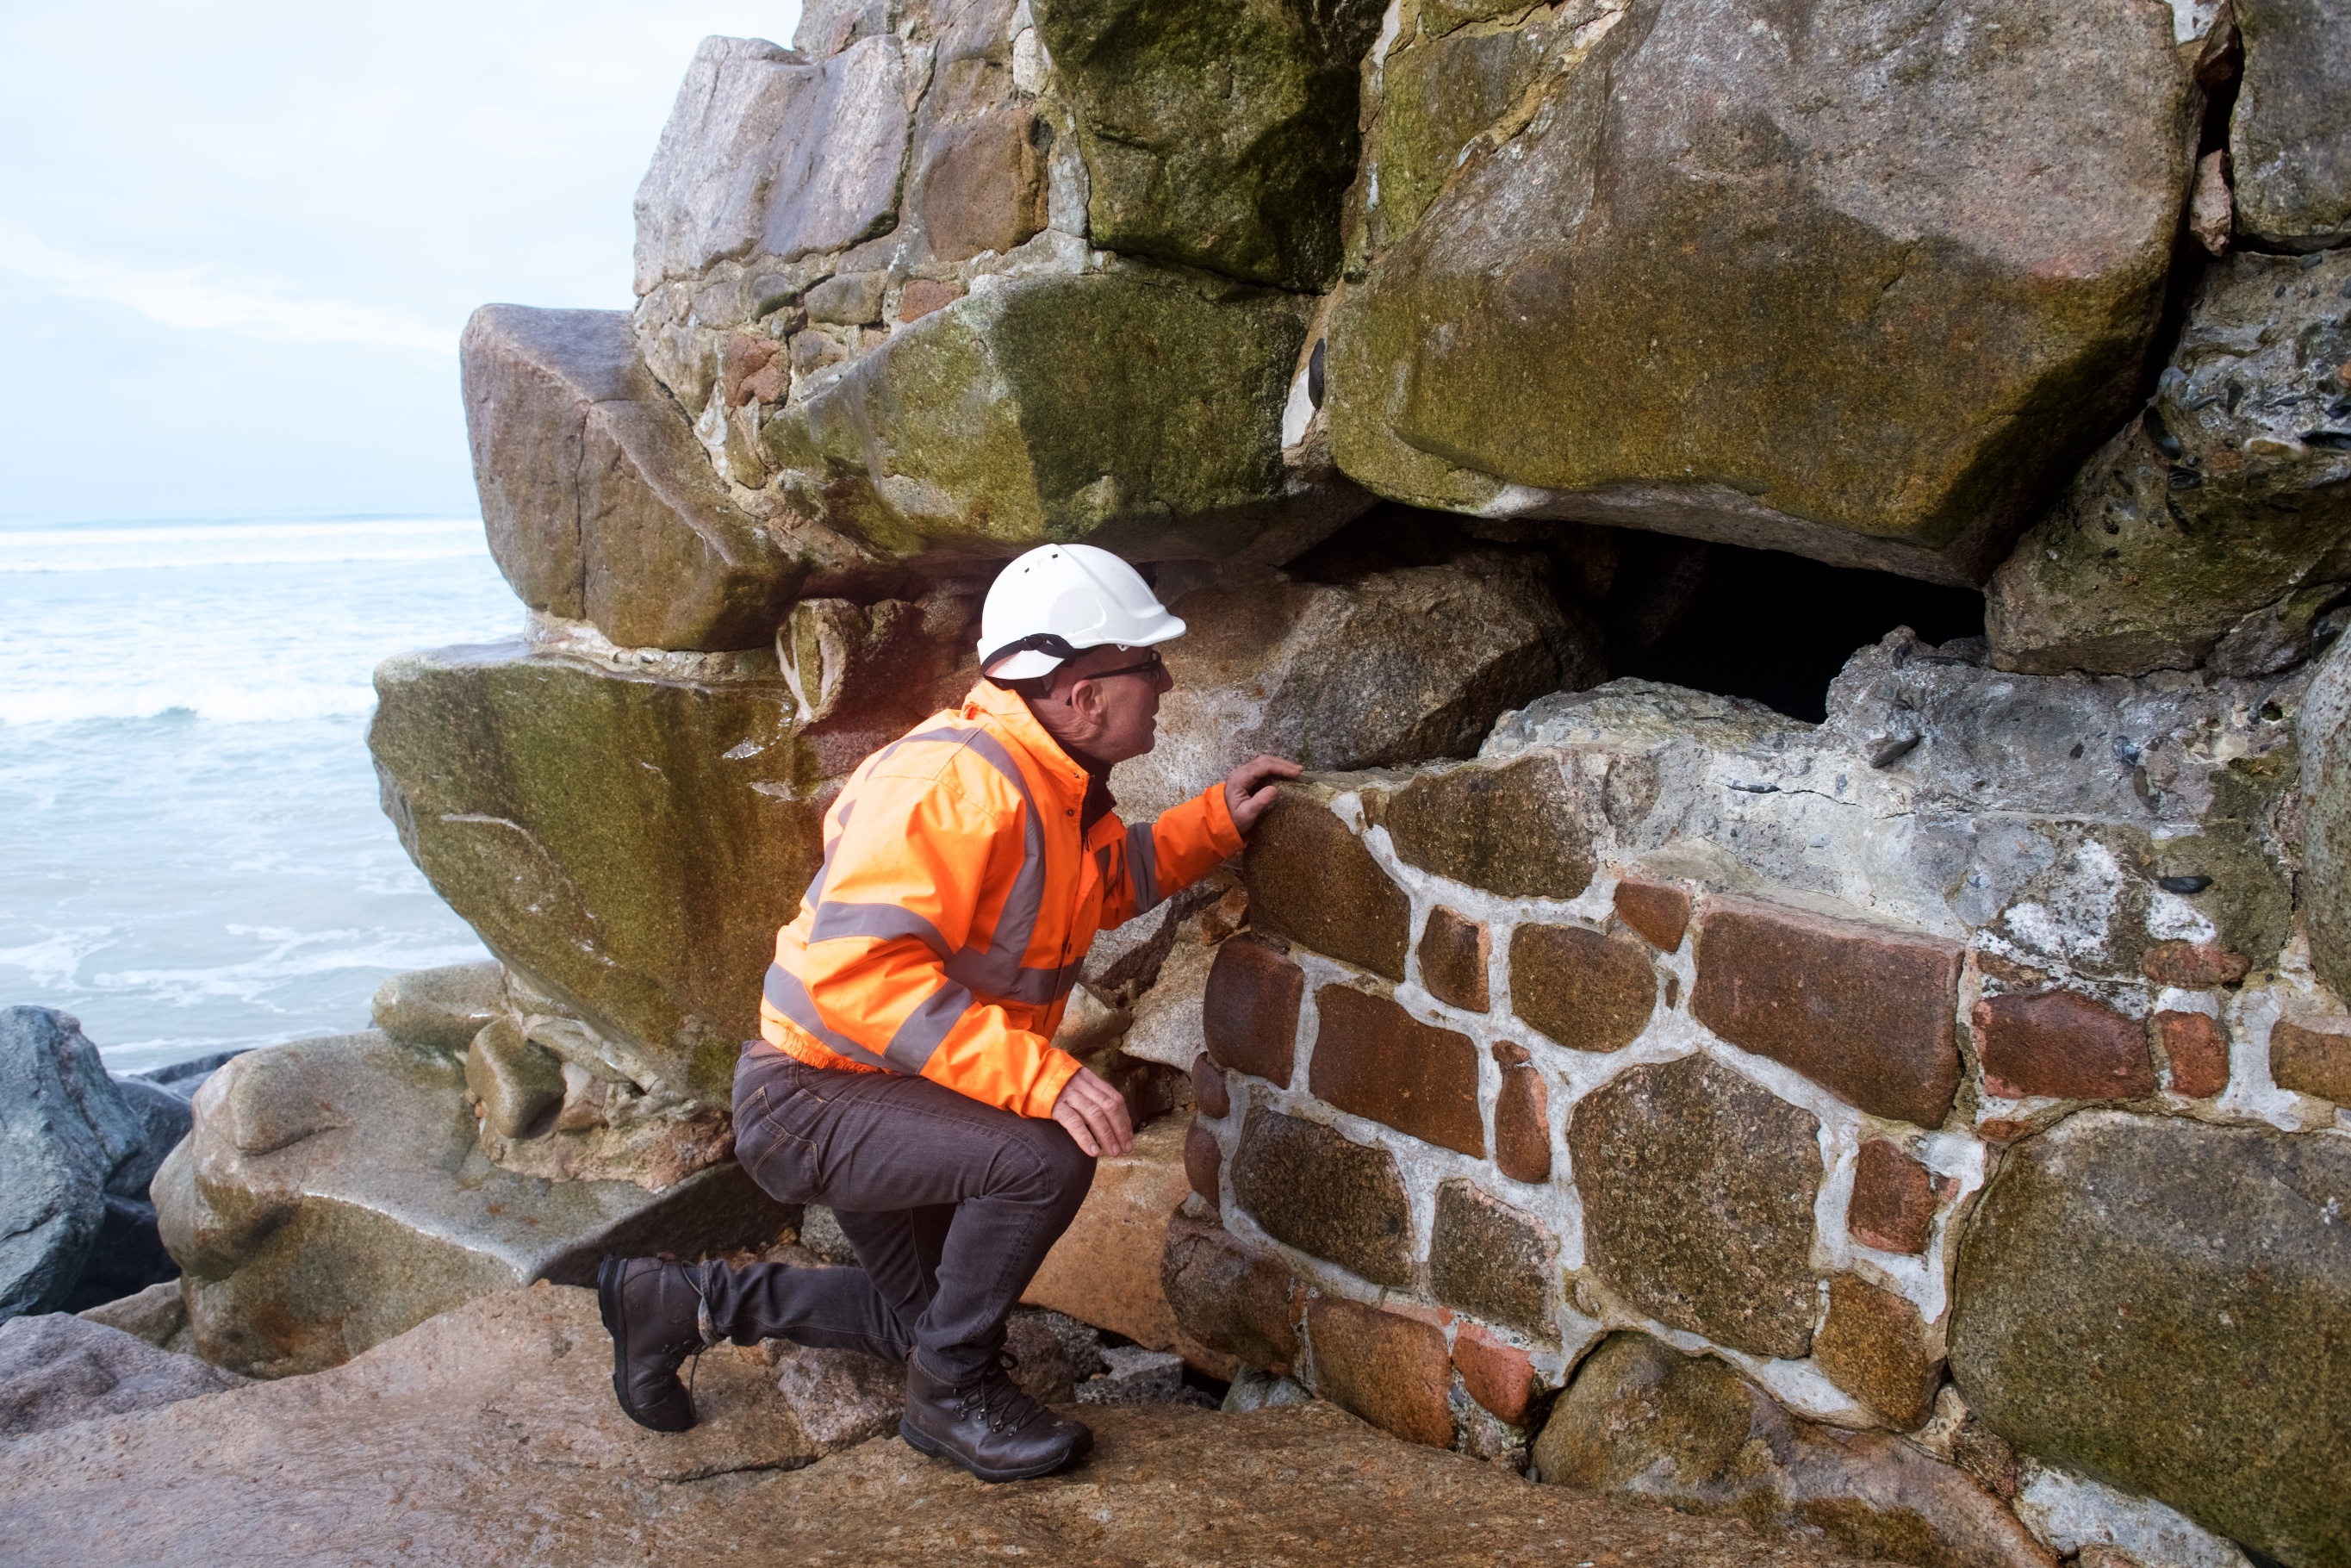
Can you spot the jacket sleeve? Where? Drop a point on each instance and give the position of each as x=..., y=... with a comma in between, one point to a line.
x=1155, y=859
x=915, y=863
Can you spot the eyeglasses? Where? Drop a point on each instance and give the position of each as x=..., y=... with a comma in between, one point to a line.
x=1155, y=666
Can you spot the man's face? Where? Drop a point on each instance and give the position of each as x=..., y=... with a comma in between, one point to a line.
x=1115, y=705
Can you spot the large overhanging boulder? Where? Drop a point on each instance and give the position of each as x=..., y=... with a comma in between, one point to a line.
x=1393, y=667
x=1137, y=409
x=598, y=503
x=1854, y=282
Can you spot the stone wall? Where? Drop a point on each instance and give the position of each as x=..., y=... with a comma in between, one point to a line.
x=1956, y=1068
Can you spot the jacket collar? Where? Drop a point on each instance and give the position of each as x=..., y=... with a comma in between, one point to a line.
x=1005, y=713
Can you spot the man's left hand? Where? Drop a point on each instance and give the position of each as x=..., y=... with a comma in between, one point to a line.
x=1248, y=788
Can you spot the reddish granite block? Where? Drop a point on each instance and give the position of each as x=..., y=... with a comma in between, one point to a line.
x=1386, y=1367
x=1868, y=1012
x=1497, y=1375
x=2311, y=1062
x=1521, y=1118
x=1209, y=1091
x=2063, y=1045
x=1376, y=1060
x=1659, y=910
x=1250, y=1016
x=2198, y=1049
x=1453, y=952
x=1893, y=1205
x=1586, y=990
x=1311, y=880
x=2194, y=966
x=1203, y=1160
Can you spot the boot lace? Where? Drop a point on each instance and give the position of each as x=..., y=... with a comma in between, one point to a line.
x=705, y=1334
x=997, y=1400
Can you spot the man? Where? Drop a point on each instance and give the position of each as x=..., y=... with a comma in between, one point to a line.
x=905, y=1076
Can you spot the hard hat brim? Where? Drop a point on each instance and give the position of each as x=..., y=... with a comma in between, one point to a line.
x=1030, y=663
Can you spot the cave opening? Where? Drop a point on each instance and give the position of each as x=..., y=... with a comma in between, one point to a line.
x=1762, y=624
x=1777, y=627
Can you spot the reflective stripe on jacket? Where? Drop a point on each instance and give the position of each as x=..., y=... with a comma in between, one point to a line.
x=956, y=902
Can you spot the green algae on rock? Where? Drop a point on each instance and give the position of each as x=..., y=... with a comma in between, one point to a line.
x=1642, y=1420
x=2203, y=1272
x=1782, y=288
x=1134, y=409
x=631, y=844
x=1216, y=135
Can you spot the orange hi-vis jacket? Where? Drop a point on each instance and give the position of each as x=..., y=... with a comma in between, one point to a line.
x=956, y=900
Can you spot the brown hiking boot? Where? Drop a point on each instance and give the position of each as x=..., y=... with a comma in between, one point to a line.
x=986, y=1425
x=653, y=1308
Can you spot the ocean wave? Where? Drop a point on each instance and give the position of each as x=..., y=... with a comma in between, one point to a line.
x=85, y=549
x=219, y=701
x=295, y=957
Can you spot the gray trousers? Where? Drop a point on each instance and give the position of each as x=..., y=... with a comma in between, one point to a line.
x=950, y=1204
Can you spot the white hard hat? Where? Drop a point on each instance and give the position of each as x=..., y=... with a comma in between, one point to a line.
x=1058, y=600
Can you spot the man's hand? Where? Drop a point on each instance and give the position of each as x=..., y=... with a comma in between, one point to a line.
x=1094, y=1114
x=1248, y=788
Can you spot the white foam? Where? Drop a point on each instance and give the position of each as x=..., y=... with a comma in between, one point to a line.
x=124, y=548
x=222, y=702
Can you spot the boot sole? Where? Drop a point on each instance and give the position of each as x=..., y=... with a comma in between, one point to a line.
x=615, y=1318
x=922, y=1443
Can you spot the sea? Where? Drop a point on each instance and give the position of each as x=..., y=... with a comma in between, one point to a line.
x=191, y=853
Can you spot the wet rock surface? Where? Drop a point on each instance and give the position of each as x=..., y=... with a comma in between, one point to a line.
x=1641, y=1420
x=440, y=1009
x=77, y=1153
x=504, y=1413
x=2204, y=1273
x=628, y=842
x=56, y=1369
x=334, y=1195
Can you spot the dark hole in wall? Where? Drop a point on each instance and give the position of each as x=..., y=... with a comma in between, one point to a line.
x=1777, y=628
x=1741, y=622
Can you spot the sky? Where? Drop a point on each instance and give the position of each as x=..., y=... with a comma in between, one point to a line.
x=239, y=240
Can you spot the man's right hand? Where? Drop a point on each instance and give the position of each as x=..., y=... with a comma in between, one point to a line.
x=1094, y=1114
x=1249, y=789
